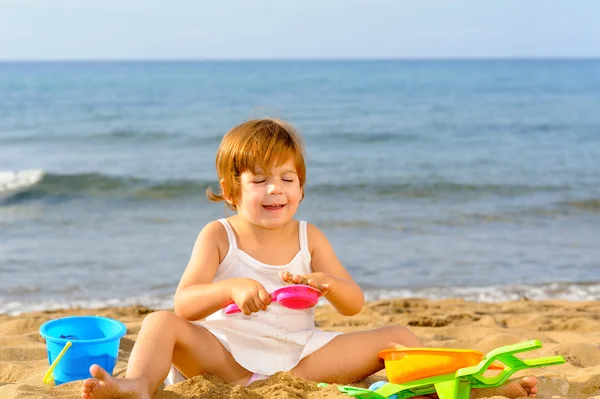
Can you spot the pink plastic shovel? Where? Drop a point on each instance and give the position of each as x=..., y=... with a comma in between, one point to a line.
x=291, y=296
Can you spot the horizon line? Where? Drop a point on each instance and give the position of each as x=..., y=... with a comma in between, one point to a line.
x=307, y=59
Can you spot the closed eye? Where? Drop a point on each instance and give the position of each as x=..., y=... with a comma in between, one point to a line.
x=288, y=180
x=259, y=181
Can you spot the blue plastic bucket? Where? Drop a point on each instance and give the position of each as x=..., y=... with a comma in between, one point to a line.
x=95, y=340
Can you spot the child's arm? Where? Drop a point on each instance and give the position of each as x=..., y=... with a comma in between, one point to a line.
x=197, y=296
x=330, y=276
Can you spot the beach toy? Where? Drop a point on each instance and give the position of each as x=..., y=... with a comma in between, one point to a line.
x=296, y=296
x=75, y=343
x=408, y=364
x=455, y=384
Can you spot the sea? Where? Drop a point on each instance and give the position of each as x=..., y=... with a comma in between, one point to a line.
x=474, y=179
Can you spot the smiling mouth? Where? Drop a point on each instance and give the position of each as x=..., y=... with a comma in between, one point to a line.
x=273, y=207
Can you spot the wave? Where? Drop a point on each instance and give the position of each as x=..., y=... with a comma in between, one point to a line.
x=128, y=135
x=432, y=189
x=118, y=136
x=202, y=136
x=106, y=186
x=16, y=307
x=109, y=137
x=588, y=205
x=373, y=137
x=13, y=183
x=567, y=291
x=588, y=291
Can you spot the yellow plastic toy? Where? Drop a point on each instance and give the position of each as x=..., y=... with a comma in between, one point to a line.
x=408, y=364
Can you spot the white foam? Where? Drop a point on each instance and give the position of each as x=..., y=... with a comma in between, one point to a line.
x=566, y=291
x=14, y=182
x=15, y=308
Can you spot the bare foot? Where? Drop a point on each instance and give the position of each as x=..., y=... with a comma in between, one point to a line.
x=522, y=388
x=104, y=386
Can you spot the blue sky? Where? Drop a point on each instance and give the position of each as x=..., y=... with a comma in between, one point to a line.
x=251, y=29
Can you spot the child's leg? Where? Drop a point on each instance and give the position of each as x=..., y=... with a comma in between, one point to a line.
x=166, y=338
x=354, y=356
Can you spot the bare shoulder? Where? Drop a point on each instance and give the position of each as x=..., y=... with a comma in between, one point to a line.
x=214, y=234
x=214, y=229
x=316, y=237
x=209, y=250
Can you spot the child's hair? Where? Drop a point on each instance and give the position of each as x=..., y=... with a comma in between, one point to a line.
x=257, y=143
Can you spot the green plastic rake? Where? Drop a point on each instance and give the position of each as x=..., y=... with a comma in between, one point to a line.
x=458, y=384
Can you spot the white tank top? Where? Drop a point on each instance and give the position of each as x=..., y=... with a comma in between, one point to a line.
x=273, y=340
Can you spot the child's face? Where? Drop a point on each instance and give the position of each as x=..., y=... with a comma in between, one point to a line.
x=270, y=201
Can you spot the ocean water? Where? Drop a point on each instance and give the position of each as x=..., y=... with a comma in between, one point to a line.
x=472, y=179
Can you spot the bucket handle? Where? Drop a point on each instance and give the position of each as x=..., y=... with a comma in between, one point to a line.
x=48, y=376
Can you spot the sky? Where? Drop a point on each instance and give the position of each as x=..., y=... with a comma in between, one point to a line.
x=297, y=29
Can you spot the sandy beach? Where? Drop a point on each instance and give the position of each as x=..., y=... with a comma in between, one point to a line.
x=570, y=329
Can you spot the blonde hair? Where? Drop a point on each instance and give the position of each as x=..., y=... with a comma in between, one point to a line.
x=257, y=143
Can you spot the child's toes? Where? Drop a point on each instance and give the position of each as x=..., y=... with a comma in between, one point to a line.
x=87, y=387
x=89, y=384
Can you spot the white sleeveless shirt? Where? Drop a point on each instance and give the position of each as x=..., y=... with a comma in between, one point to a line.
x=273, y=340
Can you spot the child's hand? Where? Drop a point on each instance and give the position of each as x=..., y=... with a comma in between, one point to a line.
x=249, y=295
x=318, y=280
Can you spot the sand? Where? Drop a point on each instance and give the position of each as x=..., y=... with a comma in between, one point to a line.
x=570, y=329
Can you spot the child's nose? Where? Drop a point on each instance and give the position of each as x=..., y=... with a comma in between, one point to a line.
x=274, y=188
